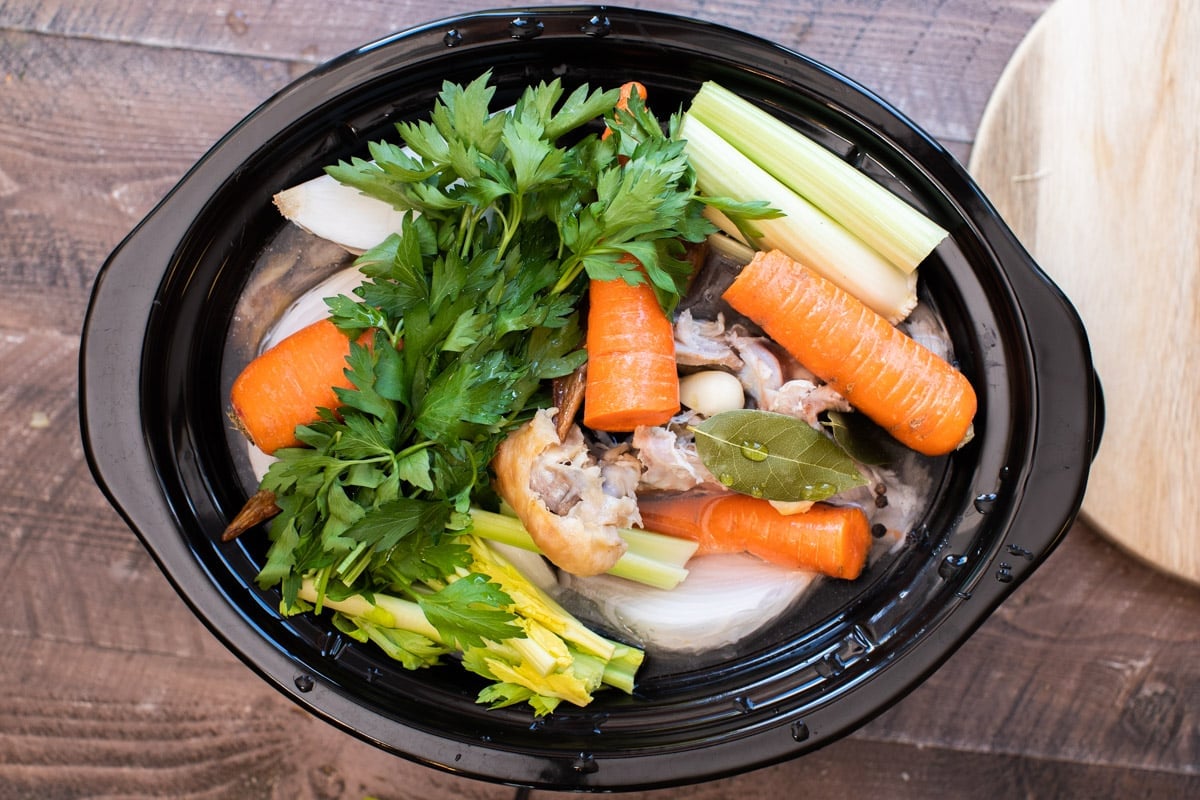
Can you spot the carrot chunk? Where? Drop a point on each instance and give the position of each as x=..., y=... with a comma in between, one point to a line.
x=626, y=90
x=284, y=386
x=632, y=379
x=920, y=399
x=832, y=540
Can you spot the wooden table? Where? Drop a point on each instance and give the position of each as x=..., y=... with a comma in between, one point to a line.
x=1086, y=683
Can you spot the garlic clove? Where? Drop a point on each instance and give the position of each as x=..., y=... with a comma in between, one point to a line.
x=789, y=507
x=711, y=391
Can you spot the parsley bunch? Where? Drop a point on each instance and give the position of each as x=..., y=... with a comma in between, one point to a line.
x=471, y=308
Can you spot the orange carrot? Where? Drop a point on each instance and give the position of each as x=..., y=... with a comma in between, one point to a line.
x=919, y=398
x=631, y=379
x=631, y=373
x=623, y=100
x=832, y=540
x=284, y=386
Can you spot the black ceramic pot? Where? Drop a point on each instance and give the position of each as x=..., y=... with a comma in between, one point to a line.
x=166, y=302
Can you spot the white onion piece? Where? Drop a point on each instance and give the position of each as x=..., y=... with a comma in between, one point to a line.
x=339, y=213
x=725, y=598
x=310, y=306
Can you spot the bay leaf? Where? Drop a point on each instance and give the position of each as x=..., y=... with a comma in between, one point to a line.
x=774, y=456
x=861, y=439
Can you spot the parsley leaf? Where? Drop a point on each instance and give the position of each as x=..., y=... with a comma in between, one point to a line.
x=390, y=522
x=469, y=610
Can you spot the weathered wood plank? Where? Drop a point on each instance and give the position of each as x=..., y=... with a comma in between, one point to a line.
x=93, y=135
x=76, y=574
x=937, y=63
x=96, y=722
x=1094, y=654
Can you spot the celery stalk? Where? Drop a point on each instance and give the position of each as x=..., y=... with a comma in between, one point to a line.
x=534, y=653
x=652, y=558
x=537, y=605
x=641, y=569
x=735, y=250
x=359, y=606
x=658, y=546
x=804, y=232
x=501, y=528
x=555, y=658
x=621, y=670
x=869, y=210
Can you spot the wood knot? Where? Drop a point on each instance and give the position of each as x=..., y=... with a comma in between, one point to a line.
x=1153, y=713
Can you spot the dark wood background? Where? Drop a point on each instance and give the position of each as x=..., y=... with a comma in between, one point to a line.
x=1086, y=683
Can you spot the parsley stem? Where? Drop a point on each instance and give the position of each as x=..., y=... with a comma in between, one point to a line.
x=574, y=267
x=348, y=571
x=512, y=221
x=413, y=448
x=322, y=583
x=466, y=230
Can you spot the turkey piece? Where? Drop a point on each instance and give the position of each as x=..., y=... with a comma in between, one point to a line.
x=621, y=469
x=779, y=383
x=762, y=370
x=703, y=343
x=771, y=377
x=670, y=461
x=571, y=504
x=709, y=343
x=927, y=329
x=804, y=399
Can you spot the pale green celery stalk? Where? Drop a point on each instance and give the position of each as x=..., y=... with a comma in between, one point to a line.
x=385, y=611
x=652, y=558
x=620, y=661
x=659, y=546
x=388, y=611
x=735, y=250
x=536, y=605
x=804, y=232
x=869, y=210
x=529, y=651
x=645, y=570
x=621, y=670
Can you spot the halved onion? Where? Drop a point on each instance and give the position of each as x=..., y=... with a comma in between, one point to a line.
x=724, y=599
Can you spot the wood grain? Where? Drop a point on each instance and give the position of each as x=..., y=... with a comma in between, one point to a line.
x=1084, y=684
x=1091, y=150
x=1096, y=653
x=897, y=771
x=965, y=40
x=81, y=165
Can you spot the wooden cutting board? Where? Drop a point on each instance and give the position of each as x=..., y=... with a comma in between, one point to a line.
x=1090, y=149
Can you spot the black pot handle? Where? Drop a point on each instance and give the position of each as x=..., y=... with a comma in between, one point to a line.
x=1098, y=423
